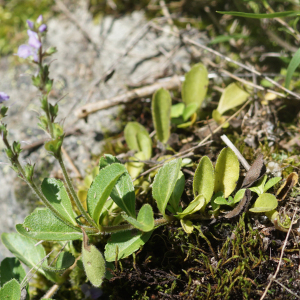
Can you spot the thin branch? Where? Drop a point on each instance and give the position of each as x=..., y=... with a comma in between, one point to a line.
x=241, y=158
x=145, y=91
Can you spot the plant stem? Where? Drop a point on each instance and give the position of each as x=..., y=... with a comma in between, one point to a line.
x=73, y=193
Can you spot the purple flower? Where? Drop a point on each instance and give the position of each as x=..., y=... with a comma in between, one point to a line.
x=3, y=97
x=39, y=19
x=25, y=51
x=30, y=24
x=33, y=39
x=42, y=28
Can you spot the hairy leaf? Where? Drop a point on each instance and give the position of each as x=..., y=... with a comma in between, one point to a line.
x=265, y=202
x=102, y=187
x=54, y=190
x=11, y=290
x=226, y=172
x=194, y=87
x=11, y=268
x=43, y=225
x=164, y=183
x=177, y=192
x=145, y=219
x=123, y=244
x=64, y=261
x=204, y=179
x=161, y=113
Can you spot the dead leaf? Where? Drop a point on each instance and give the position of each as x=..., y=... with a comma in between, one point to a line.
x=256, y=171
x=242, y=206
x=285, y=188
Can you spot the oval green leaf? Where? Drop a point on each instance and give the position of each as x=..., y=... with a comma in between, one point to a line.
x=164, y=183
x=145, y=219
x=11, y=290
x=227, y=172
x=161, y=114
x=204, y=179
x=193, y=207
x=54, y=190
x=102, y=187
x=177, y=192
x=43, y=225
x=11, y=268
x=232, y=97
x=264, y=203
x=195, y=85
x=124, y=244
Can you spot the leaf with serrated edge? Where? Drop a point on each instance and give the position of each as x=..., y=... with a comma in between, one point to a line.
x=145, y=219
x=195, y=85
x=265, y=202
x=11, y=268
x=101, y=188
x=204, y=179
x=164, y=183
x=54, y=190
x=11, y=290
x=43, y=225
x=127, y=242
x=161, y=114
x=232, y=97
x=227, y=172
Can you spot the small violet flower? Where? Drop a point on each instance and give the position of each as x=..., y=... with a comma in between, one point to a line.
x=42, y=28
x=25, y=51
x=39, y=19
x=3, y=97
x=30, y=24
x=33, y=39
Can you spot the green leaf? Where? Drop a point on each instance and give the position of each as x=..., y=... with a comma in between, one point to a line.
x=223, y=201
x=135, y=167
x=189, y=110
x=187, y=226
x=193, y=207
x=93, y=262
x=164, y=183
x=259, y=188
x=264, y=203
x=137, y=138
x=101, y=188
x=204, y=179
x=43, y=225
x=11, y=268
x=177, y=110
x=54, y=190
x=130, y=133
x=64, y=261
x=239, y=195
x=107, y=159
x=271, y=183
x=293, y=65
x=145, y=219
x=227, y=172
x=260, y=16
x=195, y=85
x=123, y=194
x=232, y=97
x=161, y=114
x=124, y=244
x=177, y=192
x=214, y=205
x=11, y=290
x=24, y=249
